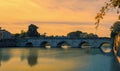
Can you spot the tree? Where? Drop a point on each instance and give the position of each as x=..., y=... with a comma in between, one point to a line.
x=79, y=34
x=108, y=5
x=16, y=35
x=75, y=34
x=115, y=29
x=32, y=31
x=91, y=35
x=23, y=33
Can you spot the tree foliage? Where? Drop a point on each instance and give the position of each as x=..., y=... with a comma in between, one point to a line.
x=75, y=34
x=115, y=29
x=91, y=35
x=108, y=5
x=32, y=31
x=23, y=33
x=80, y=34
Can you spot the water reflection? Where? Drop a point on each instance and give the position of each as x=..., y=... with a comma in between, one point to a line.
x=115, y=66
x=32, y=57
x=106, y=48
x=36, y=59
x=4, y=57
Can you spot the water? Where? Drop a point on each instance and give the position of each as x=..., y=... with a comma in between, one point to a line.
x=37, y=59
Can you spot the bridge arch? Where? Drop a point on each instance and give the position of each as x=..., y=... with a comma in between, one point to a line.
x=84, y=44
x=63, y=44
x=45, y=44
x=29, y=44
x=105, y=47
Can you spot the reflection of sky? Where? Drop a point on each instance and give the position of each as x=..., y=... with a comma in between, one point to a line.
x=70, y=14
x=106, y=47
x=58, y=60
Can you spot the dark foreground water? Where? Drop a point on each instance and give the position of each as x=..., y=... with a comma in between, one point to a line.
x=36, y=59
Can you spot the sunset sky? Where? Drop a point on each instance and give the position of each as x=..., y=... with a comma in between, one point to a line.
x=55, y=17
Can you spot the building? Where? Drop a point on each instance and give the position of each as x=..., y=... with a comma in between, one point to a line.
x=5, y=34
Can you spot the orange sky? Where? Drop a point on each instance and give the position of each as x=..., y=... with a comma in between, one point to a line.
x=55, y=17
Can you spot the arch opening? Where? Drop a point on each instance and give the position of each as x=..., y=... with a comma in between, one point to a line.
x=45, y=44
x=63, y=45
x=106, y=47
x=29, y=44
x=84, y=45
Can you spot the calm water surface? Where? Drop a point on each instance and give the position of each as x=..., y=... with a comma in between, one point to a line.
x=37, y=59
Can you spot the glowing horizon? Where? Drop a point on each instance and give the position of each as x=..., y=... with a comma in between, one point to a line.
x=55, y=17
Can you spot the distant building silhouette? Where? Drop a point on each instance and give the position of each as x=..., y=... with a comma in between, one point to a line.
x=5, y=34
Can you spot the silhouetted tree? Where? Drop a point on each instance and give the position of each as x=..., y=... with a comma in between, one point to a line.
x=80, y=34
x=16, y=35
x=115, y=29
x=91, y=35
x=32, y=31
x=23, y=34
x=75, y=34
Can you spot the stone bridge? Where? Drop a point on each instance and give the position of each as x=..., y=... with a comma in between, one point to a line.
x=58, y=42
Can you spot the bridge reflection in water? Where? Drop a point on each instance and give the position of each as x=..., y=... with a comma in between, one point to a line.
x=38, y=59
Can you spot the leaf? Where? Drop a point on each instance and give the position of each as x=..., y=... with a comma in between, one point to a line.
x=118, y=12
x=119, y=17
x=96, y=17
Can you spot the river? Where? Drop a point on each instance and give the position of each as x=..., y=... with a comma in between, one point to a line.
x=56, y=59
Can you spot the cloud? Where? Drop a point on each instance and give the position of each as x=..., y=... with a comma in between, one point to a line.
x=70, y=14
x=74, y=5
x=54, y=22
